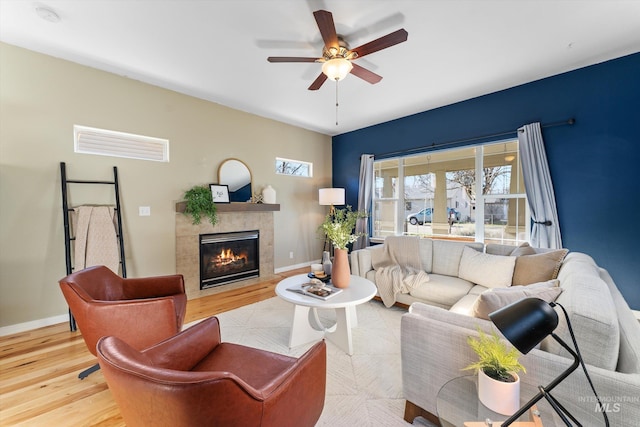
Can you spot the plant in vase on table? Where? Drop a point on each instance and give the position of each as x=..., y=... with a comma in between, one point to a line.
x=338, y=227
x=497, y=368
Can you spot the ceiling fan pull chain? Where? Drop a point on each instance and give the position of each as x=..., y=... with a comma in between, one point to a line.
x=337, y=102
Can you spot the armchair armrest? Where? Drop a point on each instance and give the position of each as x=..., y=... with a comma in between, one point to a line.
x=302, y=387
x=200, y=338
x=302, y=382
x=307, y=373
x=151, y=287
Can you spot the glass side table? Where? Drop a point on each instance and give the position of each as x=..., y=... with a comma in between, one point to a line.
x=457, y=405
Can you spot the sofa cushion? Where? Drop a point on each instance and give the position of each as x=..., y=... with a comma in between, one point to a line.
x=523, y=249
x=442, y=290
x=538, y=267
x=477, y=290
x=499, y=249
x=426, y=254
x=465, y=305
x=447, y=254
x=494, y=299
x=487, y=270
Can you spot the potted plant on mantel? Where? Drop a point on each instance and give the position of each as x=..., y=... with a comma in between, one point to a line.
x=338, y=227
x=497, y=368
x=199, y=202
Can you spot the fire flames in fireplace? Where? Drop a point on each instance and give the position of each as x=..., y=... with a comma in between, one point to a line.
x=226, y=257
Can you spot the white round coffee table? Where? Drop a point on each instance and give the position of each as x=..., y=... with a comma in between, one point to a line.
x=306, y=326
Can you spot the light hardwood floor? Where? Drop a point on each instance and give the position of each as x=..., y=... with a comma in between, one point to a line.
x=39, y=383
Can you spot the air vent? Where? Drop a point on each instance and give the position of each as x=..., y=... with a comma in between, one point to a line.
x=103, y=142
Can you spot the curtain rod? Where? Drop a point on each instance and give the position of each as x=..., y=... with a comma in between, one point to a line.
x=570, y=121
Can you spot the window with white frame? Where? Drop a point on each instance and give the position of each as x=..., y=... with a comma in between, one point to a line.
x=103, y=142
x=294, y=167
x=438, y=194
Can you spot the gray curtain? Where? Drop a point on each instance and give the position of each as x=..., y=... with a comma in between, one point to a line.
x=545, y=232
x=364, y=199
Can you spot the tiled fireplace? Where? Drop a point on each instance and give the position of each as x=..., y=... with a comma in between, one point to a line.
x=233, y=219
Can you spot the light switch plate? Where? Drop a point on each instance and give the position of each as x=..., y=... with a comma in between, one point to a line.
x=144, y=210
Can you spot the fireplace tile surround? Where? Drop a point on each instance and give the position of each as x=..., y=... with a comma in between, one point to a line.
x=231, y=217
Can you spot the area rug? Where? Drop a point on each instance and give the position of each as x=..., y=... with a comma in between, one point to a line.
x=364, y=389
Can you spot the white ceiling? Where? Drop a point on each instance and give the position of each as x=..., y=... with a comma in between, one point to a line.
x=217, y=49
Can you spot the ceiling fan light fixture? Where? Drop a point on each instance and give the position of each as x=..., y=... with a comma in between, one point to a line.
x=337, y=68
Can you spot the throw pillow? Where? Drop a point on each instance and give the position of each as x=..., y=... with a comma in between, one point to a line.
x=493, y=299
x=523, y=249
x=538, y=268
x=487, y=270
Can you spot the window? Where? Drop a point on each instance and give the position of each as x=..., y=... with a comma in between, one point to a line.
x=438, y=195
x=103, y=142
x=294, y=167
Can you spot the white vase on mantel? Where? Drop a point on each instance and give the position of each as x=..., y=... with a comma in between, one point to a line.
x=499, y=396
x=269, y=195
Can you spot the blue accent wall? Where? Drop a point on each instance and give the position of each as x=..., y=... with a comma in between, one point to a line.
x=595, y=163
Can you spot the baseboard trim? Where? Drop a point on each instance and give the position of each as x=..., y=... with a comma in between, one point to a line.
x=33, y=324
x=294, y=267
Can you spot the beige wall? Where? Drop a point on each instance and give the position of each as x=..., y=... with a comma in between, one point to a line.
x=42, y=97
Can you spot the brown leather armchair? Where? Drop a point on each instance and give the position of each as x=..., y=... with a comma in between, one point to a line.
x=194, y=379
x=140, y=311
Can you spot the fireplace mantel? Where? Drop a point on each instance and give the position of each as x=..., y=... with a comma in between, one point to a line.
x=237, y=207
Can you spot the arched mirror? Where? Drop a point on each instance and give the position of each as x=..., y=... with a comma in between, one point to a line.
x=236, y=174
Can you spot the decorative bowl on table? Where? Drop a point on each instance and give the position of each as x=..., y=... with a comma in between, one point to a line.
x=320, y=276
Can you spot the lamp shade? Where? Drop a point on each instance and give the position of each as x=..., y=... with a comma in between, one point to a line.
x=331, y=196
x=337, y=68
x=525, y=322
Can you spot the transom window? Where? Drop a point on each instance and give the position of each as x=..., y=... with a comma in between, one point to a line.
x=294, y=167
x=472, y=193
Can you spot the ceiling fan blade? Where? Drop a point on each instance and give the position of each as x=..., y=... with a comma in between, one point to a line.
x=383, y=42
x=364, y=74
x=327, y=28
x=318, y=82
x=290, y=59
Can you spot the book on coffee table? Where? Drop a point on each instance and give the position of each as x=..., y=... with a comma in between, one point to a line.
x=322, y=291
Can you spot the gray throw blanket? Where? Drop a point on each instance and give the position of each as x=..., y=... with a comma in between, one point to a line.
x=398, y=267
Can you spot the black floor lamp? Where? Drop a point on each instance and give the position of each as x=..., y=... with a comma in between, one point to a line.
x=525, y=324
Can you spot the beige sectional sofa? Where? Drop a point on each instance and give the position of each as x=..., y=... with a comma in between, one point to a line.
x=443, y=310
x=440, y=259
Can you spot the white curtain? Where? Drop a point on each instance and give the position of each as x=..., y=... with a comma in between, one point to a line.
x=364, y=199
x=545, y=232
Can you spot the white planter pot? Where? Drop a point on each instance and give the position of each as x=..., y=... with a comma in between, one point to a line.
x=500, y=397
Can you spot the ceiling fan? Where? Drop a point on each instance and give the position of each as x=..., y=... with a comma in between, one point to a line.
x=337, y=59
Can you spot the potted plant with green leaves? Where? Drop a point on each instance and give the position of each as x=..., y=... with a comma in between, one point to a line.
x=199, y=203
x=497, y=368
x=338, y=226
